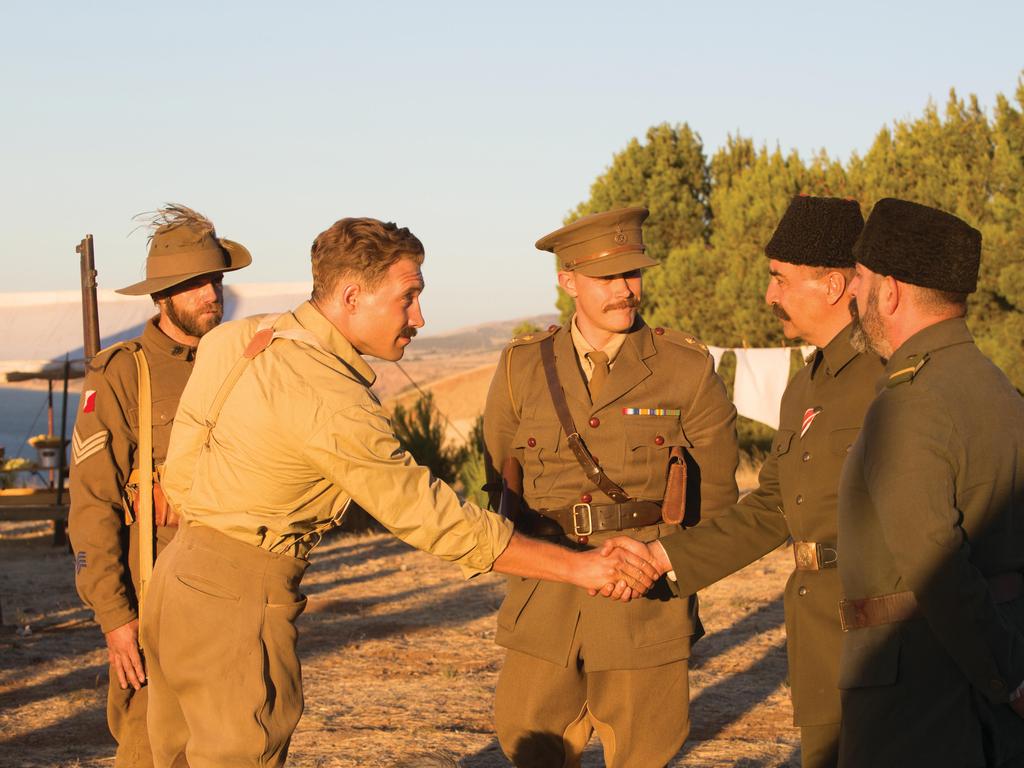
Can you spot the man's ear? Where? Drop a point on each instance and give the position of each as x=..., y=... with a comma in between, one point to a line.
x=835, y=287
x=889, y=295
x=567, y=280
x=350, y=295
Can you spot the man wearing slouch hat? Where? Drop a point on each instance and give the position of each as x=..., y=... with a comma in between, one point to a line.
x=931, y=514
x=113, y=543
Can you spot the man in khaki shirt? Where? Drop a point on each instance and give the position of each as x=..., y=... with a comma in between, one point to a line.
x=277, y=432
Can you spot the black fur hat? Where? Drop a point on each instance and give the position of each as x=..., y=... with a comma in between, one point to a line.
x=921, y=246
x=817, y=232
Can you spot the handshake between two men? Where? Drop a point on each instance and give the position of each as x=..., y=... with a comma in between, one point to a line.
x=637, y=565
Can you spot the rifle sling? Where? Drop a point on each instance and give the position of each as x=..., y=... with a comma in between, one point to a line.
x=144, y=518
x=579, y=449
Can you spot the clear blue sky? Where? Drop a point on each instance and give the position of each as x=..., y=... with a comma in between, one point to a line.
x=478, y=125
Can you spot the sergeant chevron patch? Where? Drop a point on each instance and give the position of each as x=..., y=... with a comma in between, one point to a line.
x=82, y=449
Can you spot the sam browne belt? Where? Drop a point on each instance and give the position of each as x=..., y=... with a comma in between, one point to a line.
x=586, y=519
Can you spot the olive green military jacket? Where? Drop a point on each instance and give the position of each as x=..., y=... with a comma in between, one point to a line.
x=654, y=369
x=104, y=449
x=932, y=501
x=798, y=489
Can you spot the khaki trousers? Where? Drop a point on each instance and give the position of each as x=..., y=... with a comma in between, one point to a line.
x=219, y=635
x=545, y=714
x=819, y=746
x=126, y=718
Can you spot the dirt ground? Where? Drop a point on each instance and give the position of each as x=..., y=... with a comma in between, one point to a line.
x=398, y=662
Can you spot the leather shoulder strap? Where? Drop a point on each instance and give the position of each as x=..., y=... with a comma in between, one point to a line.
x=591, y=468
x=145, y=453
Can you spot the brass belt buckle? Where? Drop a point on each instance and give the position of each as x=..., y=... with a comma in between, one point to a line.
x=806, y=555
x=582, y=512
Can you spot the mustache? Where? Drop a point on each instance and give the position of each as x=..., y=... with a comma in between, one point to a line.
x=779, y=312
x=408, y=333
x=631, y=303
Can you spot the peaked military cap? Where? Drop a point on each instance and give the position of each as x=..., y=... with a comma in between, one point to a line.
x=817, y=232
x=601, y=244
x=185, y=248
x=920, y=245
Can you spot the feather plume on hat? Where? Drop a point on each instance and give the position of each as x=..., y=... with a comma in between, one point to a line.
x=171, y=216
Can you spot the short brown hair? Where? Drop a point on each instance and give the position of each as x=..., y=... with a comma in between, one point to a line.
x=363, y=247
x=936, y=300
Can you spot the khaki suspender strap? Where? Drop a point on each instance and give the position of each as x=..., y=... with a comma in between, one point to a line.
x=264, y=335
x=145, y=453
x=590, y=467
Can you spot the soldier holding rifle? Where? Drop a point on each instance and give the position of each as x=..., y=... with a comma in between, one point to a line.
x=118, y=515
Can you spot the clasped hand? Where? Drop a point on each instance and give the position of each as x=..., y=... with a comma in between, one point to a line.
x=623, y=568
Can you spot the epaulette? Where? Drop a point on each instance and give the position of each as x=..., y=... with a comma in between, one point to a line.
x=682, y=339
x=105, y=355
x=533, y=337
x=907, y=374
x=520, y=341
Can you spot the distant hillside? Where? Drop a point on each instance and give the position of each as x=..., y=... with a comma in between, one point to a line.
x=430, y=358
x=457, y=368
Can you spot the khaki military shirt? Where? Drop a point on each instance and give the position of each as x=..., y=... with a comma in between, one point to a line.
x=300, y=436
x=932, y=501
x=661, y=392
x=797, y=495
x=104, y=453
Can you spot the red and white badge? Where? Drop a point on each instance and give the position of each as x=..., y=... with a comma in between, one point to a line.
x=89, y=401
x=809, y=415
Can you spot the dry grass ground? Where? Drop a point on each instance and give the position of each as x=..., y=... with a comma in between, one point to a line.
x=398, y=658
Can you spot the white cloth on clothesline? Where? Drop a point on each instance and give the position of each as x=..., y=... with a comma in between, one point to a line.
x=761, y=378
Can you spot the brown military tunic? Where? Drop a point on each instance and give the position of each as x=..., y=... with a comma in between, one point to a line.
x=104, y=453
x=820, y=416
x=932, y=503
x=560, y=624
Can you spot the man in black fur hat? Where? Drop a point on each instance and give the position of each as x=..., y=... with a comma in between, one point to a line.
x=931, y=514
x=810, y=267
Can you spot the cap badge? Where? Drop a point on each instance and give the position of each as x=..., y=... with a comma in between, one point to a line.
x=620, y=236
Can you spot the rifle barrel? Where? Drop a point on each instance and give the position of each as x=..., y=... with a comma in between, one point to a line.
x=90, y=308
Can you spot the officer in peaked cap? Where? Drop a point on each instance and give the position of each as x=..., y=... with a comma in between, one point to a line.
x=931, y=514
x=660, y=443
x=184, y=272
